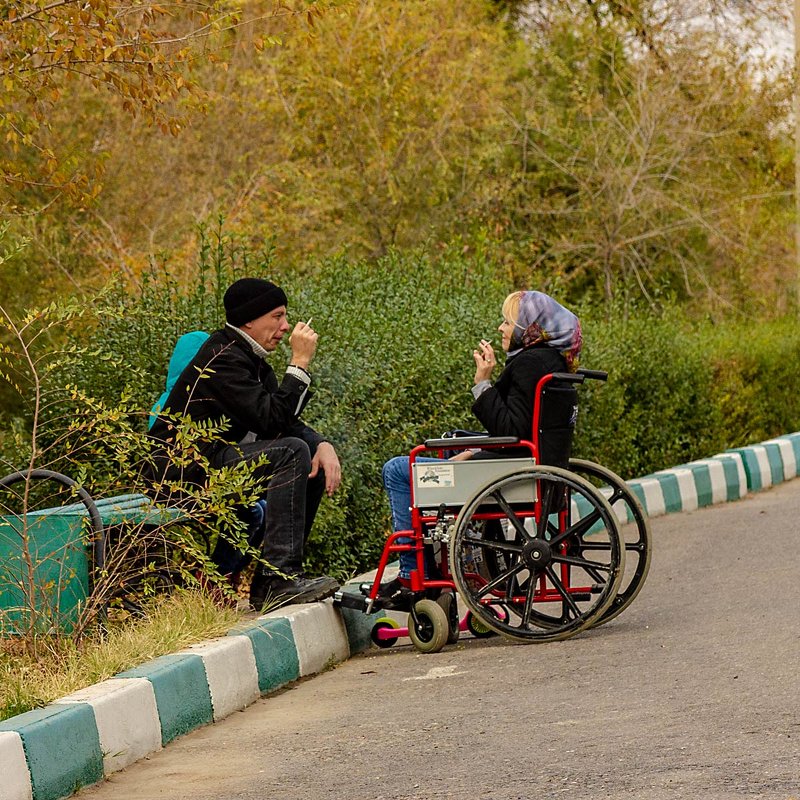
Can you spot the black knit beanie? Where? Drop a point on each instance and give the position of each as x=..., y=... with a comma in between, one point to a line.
x=250, y=298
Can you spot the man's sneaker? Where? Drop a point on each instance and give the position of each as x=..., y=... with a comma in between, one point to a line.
x=287, y=591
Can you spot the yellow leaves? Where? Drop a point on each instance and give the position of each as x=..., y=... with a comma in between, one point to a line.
x=262, y=42
x=143, y=53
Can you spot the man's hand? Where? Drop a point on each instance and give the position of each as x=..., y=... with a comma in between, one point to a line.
x=303, y=341
x=326, y=459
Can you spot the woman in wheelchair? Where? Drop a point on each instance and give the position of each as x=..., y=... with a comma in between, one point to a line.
x=540, y=337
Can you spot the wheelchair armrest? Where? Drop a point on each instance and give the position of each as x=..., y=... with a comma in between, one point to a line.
x=465, y=442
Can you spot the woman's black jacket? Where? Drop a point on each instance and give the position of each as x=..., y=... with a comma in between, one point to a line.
x=506, y=409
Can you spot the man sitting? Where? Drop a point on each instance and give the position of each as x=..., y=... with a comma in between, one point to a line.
x=240, y=387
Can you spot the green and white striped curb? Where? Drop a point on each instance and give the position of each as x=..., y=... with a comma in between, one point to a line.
x=727, y=476
x=770, y=462
x=687, y=487
x=49, y=753
x=684, y=488
x=16, y=781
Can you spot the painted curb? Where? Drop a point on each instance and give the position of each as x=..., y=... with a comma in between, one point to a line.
x=127, y=721
x=49, y=753
x=687, y=487
x=62, y=749
x=16, y=777
x=232, y=674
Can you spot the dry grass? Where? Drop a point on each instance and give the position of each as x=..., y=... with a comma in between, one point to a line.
x=170, y=624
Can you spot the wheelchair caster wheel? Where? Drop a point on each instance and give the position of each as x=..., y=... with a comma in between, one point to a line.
x=428, y=626
x=380, y=635
x=447, y=600
x=477, y=628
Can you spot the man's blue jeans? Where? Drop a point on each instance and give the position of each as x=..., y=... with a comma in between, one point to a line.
x=228, y=558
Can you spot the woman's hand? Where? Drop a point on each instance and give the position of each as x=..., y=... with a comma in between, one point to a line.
x=485, y=361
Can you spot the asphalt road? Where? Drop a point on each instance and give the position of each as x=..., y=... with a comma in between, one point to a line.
x=691, y=693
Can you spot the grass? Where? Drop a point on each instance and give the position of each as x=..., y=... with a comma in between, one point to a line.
x=169, y=624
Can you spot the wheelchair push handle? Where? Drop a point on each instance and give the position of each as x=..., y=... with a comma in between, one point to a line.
x=578, y=377
x=593, y=374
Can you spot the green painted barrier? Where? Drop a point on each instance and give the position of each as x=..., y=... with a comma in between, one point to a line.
x=44, y=571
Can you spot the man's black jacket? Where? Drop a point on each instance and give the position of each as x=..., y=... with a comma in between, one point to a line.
x=226, y=380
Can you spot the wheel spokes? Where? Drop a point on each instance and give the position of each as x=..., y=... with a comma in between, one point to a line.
x=565, y=595
x=550, y=591
x=526, y=613
x=583, y=563
x=495, y=582
x=519, y=525
x=547, y=493
x=579, y=529
x=503, y=545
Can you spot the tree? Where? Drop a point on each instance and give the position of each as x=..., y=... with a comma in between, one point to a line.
x=649, y=170
x=135, y=50
x=372, y=132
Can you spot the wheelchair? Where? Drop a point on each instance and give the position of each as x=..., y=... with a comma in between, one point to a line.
x=534, y=553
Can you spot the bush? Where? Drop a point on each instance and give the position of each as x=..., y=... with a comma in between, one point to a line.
x=394, y=367
x=679, y=390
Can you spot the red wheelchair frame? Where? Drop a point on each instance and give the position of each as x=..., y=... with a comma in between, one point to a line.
x=523, y=570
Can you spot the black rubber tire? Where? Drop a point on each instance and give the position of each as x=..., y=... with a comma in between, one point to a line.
x=382, y=623
x=477, y=628
x=638, y=548
x=433, y=628
x=574, y=567
x=447, y=601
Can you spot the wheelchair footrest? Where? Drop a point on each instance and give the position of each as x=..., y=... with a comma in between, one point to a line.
x=350, y=600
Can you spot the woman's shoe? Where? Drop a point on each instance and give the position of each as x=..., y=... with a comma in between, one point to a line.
x=394, y=595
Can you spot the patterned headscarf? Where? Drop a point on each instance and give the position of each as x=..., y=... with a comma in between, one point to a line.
x=542, y=319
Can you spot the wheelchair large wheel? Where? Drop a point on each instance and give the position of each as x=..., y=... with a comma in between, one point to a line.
x=524, y=567
x=635, y=532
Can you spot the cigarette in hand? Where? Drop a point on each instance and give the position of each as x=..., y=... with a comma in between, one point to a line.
x=309, y=320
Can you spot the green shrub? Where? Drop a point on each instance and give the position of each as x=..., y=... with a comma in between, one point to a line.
x=394, y=367
x=679, y=390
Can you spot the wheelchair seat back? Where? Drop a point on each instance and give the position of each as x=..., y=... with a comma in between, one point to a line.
x=558, y=413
